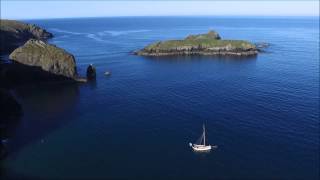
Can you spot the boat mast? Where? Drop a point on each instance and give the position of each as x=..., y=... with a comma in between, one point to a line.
x=204, y=135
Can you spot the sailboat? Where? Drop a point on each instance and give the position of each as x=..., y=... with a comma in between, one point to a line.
x=202, y=147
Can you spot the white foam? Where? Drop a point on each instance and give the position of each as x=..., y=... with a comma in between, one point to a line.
x=118, y=33
x=96, y=36
x=67, y=32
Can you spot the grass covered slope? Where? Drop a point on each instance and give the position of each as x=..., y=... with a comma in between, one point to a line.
x=49, y=57
x=15, y=33
x=202, y=44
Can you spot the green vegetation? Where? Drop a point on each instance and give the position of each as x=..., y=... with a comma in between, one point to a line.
x=201, y=44
x=209, y=35
x=39, y=47
x=12, y=25
x=15, y=33
x=49, y=57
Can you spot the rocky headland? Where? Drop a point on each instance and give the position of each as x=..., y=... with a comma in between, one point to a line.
x=48, y=57
x=209, y=44
x=15, y=33
x=32, y=58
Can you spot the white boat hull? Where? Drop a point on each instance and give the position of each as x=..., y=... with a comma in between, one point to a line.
x=202, y=147
x=197, y=147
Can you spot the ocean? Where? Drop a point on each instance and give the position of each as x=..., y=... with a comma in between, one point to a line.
x=262, y=112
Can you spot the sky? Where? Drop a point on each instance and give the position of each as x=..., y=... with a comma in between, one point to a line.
x=67, y=9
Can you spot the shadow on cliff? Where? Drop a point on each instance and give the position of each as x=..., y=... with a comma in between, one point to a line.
x=16, y=74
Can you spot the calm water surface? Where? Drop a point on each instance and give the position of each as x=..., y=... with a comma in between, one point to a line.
x=262, y=112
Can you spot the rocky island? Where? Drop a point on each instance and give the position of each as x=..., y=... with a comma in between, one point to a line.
x=209, y=44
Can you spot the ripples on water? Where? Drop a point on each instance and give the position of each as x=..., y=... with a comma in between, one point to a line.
x=262, y=112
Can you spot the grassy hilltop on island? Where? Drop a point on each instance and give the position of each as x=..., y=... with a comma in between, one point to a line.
x=202, y=44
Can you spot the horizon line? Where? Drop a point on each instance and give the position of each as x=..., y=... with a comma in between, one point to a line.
x=146, y=16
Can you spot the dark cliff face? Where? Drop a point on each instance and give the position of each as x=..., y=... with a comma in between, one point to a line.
x=17, y=74
x=14, y=34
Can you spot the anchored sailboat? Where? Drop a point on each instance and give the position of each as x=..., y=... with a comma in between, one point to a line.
x=202, y=147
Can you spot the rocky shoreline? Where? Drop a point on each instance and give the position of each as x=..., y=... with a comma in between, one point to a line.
x=199, y=52
x=15, y=33
x=209, y=44
x=32, y=58
x=46, y=56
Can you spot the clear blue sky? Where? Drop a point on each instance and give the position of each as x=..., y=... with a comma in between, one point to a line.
x=60, y=9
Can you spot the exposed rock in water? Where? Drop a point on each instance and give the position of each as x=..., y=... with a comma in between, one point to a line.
x=202, y=44
x=91, y=72
x=49, y=58
x=14, y=34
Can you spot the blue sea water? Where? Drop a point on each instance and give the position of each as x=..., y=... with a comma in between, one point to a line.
x=262, y=112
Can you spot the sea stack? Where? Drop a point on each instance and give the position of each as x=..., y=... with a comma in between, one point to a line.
x=91, y=72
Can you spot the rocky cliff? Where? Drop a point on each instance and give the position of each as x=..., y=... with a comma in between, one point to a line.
x=15, y=33
x=49, y=58
x=202, y=44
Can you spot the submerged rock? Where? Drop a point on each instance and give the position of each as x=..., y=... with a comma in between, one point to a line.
x=49, y=58
x=202, y=44
x=91, y=72
x=15, y=33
